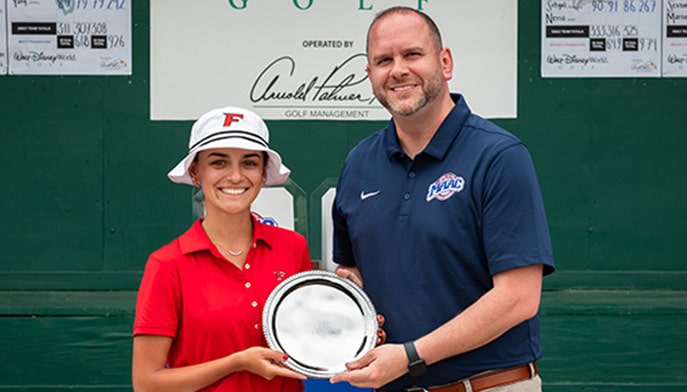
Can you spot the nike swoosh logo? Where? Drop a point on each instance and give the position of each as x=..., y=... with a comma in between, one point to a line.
x=364, y=195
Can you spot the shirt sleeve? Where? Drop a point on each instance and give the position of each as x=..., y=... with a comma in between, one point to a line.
x=515, y=230
x=158, y=304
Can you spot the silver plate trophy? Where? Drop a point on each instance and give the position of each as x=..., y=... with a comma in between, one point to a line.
x=321, y=321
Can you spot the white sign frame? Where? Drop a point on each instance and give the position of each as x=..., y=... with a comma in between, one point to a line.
x=3, y=38
x=209, y=54
x=69, y=37
x=604, y=38
x=275, y=206
x=327, y=229
x=675, y=38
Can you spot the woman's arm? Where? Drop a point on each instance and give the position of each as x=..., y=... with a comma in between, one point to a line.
x=150, y=373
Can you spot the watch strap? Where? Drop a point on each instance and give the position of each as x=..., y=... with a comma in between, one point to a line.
x=411, y=352
x=416, y=365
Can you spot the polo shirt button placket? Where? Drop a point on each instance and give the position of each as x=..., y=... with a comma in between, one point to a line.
x=407, y=190
x=254, y=304
x=410, y=184
x=256, y=325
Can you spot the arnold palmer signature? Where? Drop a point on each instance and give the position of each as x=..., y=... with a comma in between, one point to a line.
x=275, y=83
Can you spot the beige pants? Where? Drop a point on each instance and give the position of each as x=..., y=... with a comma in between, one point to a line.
x=531, y=385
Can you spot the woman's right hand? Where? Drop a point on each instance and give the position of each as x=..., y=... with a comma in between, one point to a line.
x=266, y=363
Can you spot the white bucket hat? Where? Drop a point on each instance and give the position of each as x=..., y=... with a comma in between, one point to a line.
x=230, y=127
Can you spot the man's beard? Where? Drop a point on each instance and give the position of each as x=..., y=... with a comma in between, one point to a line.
x=407, y=107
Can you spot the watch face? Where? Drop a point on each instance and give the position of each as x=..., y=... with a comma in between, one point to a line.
x=417, y=368
x=321, y=321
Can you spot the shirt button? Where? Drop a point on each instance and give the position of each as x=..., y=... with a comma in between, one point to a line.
x=246, y=266
x=256, y=326
x=247, y=285
x=406, y=196
x=411, y=174
x=254, y=304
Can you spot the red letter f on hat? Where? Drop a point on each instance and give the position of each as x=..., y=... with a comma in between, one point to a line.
x=231, y=118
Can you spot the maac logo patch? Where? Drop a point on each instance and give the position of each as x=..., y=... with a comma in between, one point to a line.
x=445, y=186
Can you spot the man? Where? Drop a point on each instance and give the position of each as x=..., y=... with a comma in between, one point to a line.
x=439, y=217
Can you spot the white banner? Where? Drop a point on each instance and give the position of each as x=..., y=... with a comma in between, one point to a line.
x=675, y=39
x=305, y=59
x=69, y=37
x=3, y=39
x=607, y=38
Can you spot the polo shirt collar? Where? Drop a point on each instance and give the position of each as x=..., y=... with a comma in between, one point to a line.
x=195, y=239
x=442, y=140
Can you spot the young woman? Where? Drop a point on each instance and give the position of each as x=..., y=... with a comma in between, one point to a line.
x=199, y=306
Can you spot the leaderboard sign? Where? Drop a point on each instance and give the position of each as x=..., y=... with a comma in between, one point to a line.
x=63, y=37
x=614, y=38
x=3, y=40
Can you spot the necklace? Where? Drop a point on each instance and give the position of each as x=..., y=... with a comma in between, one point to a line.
x=229, y=251
x=225, y=250
x=239, y=253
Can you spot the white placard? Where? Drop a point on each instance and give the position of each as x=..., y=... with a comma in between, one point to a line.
x=305, y=59
x=328, y=230
x=675, y=38
x=274, y=206
x=69, y=37
x=3, y=39
x=604, y=38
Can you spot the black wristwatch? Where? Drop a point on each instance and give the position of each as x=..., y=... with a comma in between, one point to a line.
x=416, y=365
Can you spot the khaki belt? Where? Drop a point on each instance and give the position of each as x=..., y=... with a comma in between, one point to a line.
x=485, y=381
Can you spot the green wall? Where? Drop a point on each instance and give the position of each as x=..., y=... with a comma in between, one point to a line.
x=86, y=193
x=86, y=199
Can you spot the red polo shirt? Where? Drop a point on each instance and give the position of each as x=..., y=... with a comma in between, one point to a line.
x=210, y=307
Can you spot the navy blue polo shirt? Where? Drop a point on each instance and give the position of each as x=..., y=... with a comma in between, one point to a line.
x=429, y=233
